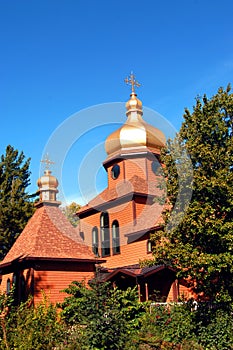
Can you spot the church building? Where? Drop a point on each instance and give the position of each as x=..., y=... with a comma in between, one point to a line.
x=49, y=254
x=114, y=228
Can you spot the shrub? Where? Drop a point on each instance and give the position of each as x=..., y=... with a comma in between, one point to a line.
x=168, y=327
x=106, y=317
x=26, y=327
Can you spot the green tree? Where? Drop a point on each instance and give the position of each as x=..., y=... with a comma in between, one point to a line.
x=198, y=242
x=106, y=316
x=16, y=206
x=168, y=327
x=28, y=327
x=69, y=211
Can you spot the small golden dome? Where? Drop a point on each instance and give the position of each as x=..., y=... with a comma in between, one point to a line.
x=134, y=104
x=135, y=133
x=47, y=181
x=47, y=184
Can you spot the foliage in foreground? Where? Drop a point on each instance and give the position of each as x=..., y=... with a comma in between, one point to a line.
x=103, y=318
x=25, y=327
x=198, y=235
x=181, y=326
x=108, y=316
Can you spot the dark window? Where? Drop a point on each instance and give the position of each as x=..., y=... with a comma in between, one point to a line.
x=22, y=289
x=105, y=236
x=19, y=288
x=95, y=241
x=149, y=246
x=8, y=285
x=15, y=284
x=115, y=171
x=155, y=166
x=15, y=279
x=115, y=237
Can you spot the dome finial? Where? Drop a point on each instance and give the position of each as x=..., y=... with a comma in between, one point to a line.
x=47, y=162
x=131, y=80
x=135, y=135
x=134, y=104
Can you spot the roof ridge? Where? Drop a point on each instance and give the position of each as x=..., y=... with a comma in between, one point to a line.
x=49, y=234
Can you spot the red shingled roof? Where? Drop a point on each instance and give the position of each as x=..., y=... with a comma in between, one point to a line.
x=151, y=216
x=48, y=234
x=134, y=185
x=132, y=270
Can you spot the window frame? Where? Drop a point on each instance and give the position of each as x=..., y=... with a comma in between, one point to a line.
x=115, y=171
x=149, y=246
x=8, y=286
x=95, y=241
x=116, y=238
x=104, y=234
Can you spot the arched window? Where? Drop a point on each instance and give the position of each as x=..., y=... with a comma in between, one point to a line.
x=8, y=286
x=104, y=231
x=115, y=171
x=149, y=246
x=15, y=284
x=95, y=241
x=19, y=285
x=115, y=237
x=156, y=167
x=15, y=280
x=22, y=289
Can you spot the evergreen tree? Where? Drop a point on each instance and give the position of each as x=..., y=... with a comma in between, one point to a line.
x=200, y=244
x=15, y=204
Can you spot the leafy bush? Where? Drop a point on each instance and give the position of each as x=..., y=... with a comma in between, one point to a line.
x=26, y=327
x=168, y=327
x=107, y=317
x=208, y=327
x=214, y=327
x=102, y=318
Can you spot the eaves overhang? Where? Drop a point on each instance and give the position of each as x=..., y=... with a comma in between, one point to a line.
x=129, y=153
x=27, y=261
x=144, y=272
x=114, y=202
x=140, y=233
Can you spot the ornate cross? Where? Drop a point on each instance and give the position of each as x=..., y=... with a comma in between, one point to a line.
x=131, y=80
x=47, y=162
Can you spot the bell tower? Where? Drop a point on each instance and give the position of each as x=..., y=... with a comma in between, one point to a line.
x=47, y=184
x=133, y=149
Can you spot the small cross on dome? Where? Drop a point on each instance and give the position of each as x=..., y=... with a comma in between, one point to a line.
x=131, y=80
x=47, y=162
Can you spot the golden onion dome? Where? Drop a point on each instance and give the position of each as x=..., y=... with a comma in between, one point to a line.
x=47, y=181
x=135, y=133
x=133, y=104
x=47, y=184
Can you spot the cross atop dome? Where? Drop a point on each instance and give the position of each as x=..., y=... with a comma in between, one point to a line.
x=47, y=162
x=135, y=135
x=134, y=104
x=131, y=80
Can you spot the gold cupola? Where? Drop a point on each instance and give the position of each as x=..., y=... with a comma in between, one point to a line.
x=135, y=135
x=48, y=184
x=134, y=104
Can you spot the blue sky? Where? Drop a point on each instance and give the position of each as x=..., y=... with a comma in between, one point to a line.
x=60, y=57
